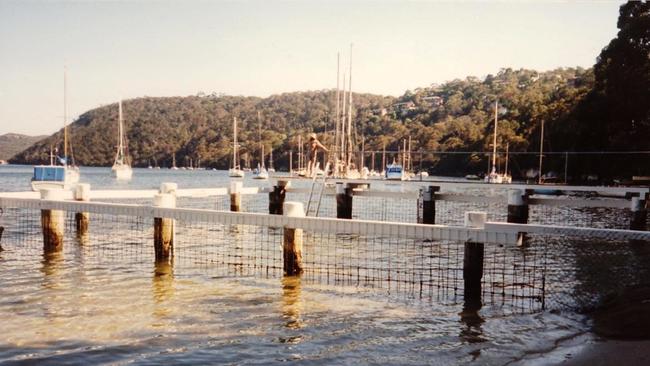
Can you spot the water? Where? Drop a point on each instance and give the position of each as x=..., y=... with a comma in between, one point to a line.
x=84, y=306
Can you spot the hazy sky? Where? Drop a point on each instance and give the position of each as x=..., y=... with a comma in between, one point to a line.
x=138, y=48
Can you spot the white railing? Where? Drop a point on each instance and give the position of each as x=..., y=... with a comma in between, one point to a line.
x=490, y=232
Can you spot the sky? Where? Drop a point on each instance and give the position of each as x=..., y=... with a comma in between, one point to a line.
x=130, y=49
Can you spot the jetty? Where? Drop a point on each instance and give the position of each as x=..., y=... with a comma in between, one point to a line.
x=480, y=245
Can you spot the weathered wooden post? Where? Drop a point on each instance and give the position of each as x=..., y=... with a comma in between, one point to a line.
x=82, y=219
x=292, y=241
x=163, y=232
x=277, y=196
x=52, y=222
x=473, y=262
x=343, y=200
x=235, y=196
x=429, y=204
x=639, y=214
x=517, y=206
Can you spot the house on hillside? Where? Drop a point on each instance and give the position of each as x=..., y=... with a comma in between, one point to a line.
x=404, y=107
x=434, y=101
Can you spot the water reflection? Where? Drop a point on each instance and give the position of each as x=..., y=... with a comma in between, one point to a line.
x=163, y=281
x=471, y=328
x=82, y=221
x=51, y=267
x=292, y=307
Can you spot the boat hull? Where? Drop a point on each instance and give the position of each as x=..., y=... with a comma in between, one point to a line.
x=263, y=174
x=66, y=178
x=122, y=172
x=236, y=173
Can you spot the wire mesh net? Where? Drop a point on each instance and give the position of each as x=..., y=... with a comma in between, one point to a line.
x=596, y=217
x=453, y=212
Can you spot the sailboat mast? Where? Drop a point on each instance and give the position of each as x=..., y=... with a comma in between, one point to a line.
x=342, y=117
x=541, y=152
x=363, y=152
x=349, y=129
x=234, y=147
x=410, y=162
x=494, y=143
x=337, y=135
x=383, y=158
x=299, y=152
x=507, y=158
x=65, y=113
x=120, y=152
x=259, y=138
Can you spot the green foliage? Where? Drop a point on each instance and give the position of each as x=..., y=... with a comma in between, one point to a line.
x=455, y=116
x=13, y=143
x=623, y=80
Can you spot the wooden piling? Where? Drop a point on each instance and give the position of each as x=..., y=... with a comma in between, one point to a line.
x=343, y=201
x=517, y=206
x=292, y=241
x=277, y=196
x=639, y=214
x=52, y=222
x=163, y=234
x=82, y=219
x=473, y=262
x=473, y=273
x=429, y=204
x=235, y=196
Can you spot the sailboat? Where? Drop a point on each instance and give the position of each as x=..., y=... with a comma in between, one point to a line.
x=235, y=171
x=121, y=169
x=62, y=176
x=260, y=172
x=495, y=177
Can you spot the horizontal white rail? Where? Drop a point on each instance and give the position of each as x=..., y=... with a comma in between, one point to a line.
x=451, y=197
x=619, y=191
x=493, y=232
x=312, y=224
x=134, y=193
x=586, y=232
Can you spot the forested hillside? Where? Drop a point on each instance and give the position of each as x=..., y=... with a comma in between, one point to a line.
x=455, y=116
x=13, y=143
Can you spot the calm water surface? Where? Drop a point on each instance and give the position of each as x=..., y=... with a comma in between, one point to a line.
x=76, y=307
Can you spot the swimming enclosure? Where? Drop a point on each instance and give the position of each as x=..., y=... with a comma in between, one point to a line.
x=568, y=266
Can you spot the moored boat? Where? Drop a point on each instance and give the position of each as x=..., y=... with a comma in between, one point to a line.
x=121, y=169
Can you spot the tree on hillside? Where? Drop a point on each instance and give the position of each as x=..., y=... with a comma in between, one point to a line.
x=623, y=79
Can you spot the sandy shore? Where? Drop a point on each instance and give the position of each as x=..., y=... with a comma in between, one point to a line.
x=620, y=334
x=611, y=352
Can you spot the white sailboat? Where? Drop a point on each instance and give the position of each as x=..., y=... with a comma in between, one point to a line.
x=494, y=176
x=64, y=176
x=261, y=172
x=235, y=171
x=121, y=169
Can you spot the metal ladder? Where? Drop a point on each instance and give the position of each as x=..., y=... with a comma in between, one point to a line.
x=311, y=210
